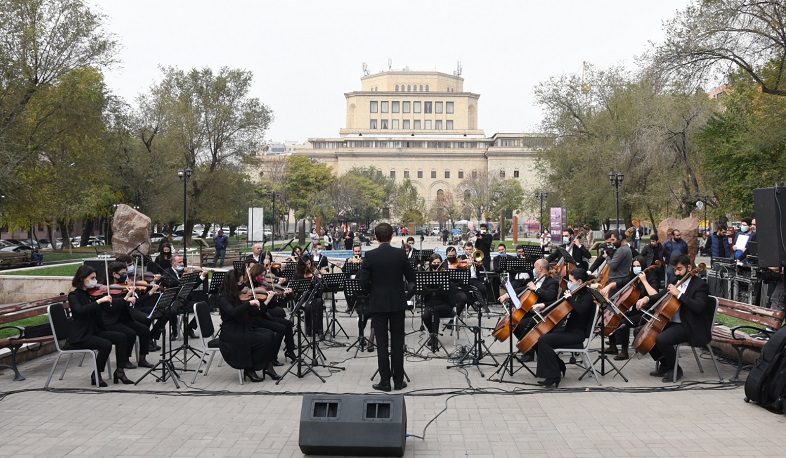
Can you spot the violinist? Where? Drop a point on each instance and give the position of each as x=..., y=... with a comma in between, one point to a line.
x=242, y=345
x=572, y=245
x=87, y=328
x=621, y=335
x=619, y=265
x=164, y=259
x=265, y=317
x=438, y=305
x=550, y=366
x=453, y=262
x=691, y=324
x=412, y=253
x=256, y=254
x=546, y=288
x=314, y=310
x=120, y=316
x=357, y=258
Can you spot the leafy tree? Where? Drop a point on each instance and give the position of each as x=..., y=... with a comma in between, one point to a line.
x=409, y=204
x=304, y=181
x=445, y=207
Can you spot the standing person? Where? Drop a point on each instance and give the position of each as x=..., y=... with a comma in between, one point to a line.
x=221, y=248
x=349, y=239
x=444, y=236
x=338, y=234
x=672, y=249
x=382, y=274
x=719, y=245
x=483, y=243
x=314, y=237
x=651, y=253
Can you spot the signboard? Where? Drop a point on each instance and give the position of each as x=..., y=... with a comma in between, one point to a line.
x=256, y=224
x=558, y=220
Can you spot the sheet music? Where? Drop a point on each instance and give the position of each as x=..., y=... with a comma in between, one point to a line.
x=155, y=307
x=513, y=297
x=742, y=241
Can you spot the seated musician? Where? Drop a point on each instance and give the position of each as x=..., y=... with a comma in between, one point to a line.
x=691, y=324
x=574, y=247
x=314, y=310
x=242, y=345
x=519, y=279
x=121, y=316
x=270, y=314
x=440, y=304
x=550, y=366
x=475, y=277
x=621, y=335
x=294, y=257
x=361, y=307
x=453, y=262
x=320, y=261
x=496, y=266
x=546, y=288
x=256, y=254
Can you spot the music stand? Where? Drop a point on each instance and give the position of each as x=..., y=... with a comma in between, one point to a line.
x=182, y=296
x=289, y=271
x=333, y=284
x=351, y=268
x=533, y=252
x=518, y=265
x=165, y=301
x=460, y=276
x=424, y=255
x=602, y=356
x=307, y=294
x=352, y=290
x=215, y=281
x=430, y=283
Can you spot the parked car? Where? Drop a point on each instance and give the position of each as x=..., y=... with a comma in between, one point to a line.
x=17, y=248
x=76, y=242
x=156, y=237
x=13, y=241
x=46, y=243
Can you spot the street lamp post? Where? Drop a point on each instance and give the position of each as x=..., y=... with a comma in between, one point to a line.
x=273, y=226
x=616, y=179
x=542, y=196
x=184, y=176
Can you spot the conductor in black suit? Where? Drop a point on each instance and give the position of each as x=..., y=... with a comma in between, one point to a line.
x=382, y=274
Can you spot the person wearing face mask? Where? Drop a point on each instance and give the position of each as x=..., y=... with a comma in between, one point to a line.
x=550, y=366
x=87, y=328
x=483, y=243
x=621, y=335
x=740, y=251
x=119, y=317
x=574, y=247
x=691, y=324
x=320, y=261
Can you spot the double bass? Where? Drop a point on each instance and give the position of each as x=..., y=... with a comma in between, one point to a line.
x=663, y=311
x=509, y=323
x=624, y=299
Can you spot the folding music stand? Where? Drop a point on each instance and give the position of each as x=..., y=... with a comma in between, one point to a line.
x=351, y=268
x=215, y=281
x=460, y=276
x=289, y=271
x=602, y=356
x=533, y=252
x=352, y=290
x=430, y=283
x=188, y=282
x=424, y=255
x=518, y=265
x=239, y=265
x=333, y=284
x=165, y=301
x=304, y=287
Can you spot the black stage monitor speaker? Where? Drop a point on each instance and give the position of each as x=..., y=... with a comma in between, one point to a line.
x=770, y=206
x=349, y=424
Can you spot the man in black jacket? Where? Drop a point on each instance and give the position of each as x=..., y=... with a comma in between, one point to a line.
x=691, y=324
x=382, y=274
x=574, y=247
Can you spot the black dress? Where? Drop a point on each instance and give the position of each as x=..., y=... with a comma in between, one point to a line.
x=88, y=331
x=242, y=345
x=574, y=333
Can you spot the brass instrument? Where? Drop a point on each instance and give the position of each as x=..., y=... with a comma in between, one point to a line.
x=478, y=256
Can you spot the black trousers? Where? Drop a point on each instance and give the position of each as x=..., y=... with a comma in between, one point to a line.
x=549, y=364
x=665, y=348
x=432, y=313
x=132, y=329
x=103, y=342
x=621, y=335
x=283, y=329
x=394, y=322
x=263, y=350
x=314, y=315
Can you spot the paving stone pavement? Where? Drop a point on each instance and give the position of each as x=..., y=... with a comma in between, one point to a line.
x=458, y=412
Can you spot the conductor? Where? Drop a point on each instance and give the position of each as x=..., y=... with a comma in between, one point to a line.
x=382, y=274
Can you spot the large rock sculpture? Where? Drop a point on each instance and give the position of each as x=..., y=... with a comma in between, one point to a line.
x=129, y=229
x=689, y=230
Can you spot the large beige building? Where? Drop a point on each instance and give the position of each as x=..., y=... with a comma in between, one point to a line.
x=424, y=126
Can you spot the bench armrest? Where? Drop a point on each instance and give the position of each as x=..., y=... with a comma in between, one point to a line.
x=735, y=328
x=19, y=329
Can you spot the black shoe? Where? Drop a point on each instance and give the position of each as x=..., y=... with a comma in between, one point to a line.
x=121, y=376
x=611, y=350
x=370, y=348
x=549, y=382
x=277, y=363
x=129, y=365
x=399, y=386
x=622, y=356
x=321, y=336
x=251, y=376
x=271, y=373
x=528, y=357
x=143, y=363
x=381, y=387
x=153, y=346
x=291, y=355
x=669, y=377
x=101, y=382
x=659, y=371
x=191, y=334
x=562, y=367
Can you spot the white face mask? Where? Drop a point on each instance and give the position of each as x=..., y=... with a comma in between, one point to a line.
x=572, y=286
x=91, y=284
x=565, y=240
x=636, y=270
x=743, y=228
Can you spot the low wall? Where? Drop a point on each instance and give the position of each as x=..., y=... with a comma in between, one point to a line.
x=26, y=288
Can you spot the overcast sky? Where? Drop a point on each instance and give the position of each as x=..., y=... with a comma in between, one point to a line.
x=306, y=54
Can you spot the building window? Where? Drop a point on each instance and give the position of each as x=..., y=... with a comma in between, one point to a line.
x=433, y=174
x=515, y=174
x=449, y=124
x=373, y=124
x=427, y=88
x=394, y=126
x=438, y=107
x=408, y=88
x=406, y=173
x=405, y=107
x=427, y=125
x=502, y=173
x=406, y=124
x=384, y=123
x=420, y=173
x=426, y=107
x=447, y=173
x=474, y=173
x=449, y=107
x=416, y=107
x=421, y=88
x=467, y=194
x=373, y=106
x=392, y=174
x=395, y=107
x=384, y=107
x=397, y=88
x=438, y=126
x=416, y=126
x=461, y=175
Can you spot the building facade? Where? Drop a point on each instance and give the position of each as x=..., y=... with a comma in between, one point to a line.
x=423, y=126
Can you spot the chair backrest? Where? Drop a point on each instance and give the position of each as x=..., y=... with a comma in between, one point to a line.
x=58, y=320
x=594, y=324
x=203, y=319
x=716, y=303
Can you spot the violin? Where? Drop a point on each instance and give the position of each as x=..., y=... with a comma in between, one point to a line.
x=558, y=311
x=624, y=299
x=509, y=323
x=259, y=294
x=139, y=285
x=113, y=290
x=663, y=311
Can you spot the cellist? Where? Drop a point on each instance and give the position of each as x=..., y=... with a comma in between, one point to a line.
x=621, y=335
x=546, y=288
x=691, y=324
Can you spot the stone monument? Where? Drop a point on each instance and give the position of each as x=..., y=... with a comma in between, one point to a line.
x=129, y=229
x=689, y=229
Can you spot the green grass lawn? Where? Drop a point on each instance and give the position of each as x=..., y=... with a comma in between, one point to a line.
x=26, y=322
x=731, y=322
x=67, y=271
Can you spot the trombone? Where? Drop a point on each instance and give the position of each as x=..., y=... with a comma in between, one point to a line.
x=477, y=257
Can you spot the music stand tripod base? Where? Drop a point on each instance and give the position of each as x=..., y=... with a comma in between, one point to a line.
x=164, y=364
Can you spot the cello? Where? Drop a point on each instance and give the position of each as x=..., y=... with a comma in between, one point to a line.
x=509, y=323
x=624, y=299
x=663, y=311
x=559, y=310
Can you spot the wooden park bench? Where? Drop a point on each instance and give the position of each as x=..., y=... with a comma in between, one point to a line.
x=12, y=260
x=233, y=254
x=760, y=319
x=38, y=334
